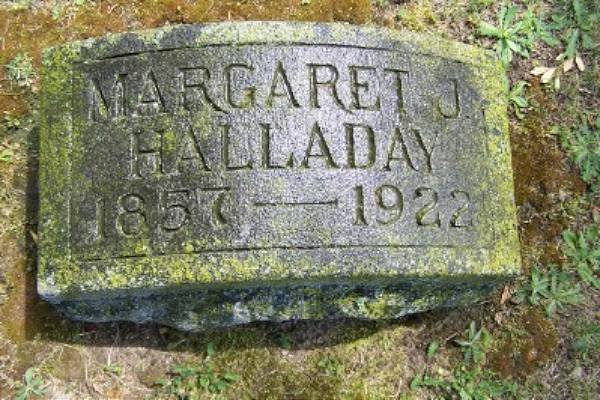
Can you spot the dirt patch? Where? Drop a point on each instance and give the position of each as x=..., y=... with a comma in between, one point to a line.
x=530, y=341
x=543, y=179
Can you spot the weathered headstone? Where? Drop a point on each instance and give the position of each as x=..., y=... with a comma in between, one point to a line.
x=219, y=174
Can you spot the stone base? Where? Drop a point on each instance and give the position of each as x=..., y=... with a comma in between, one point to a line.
x=194, y=310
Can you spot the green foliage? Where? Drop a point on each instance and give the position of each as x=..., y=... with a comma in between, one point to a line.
x=535, y=28
x=467, y=384
x=588, y=340
x=33, y=385
x=284, y=341
x=583, y=145
x=188, y=382
x=467, y=381
x=583, y=252
x=512, y=36
x=20, y=70
x=577, y=21
x=475, y=344
x=479, y=5
x=432, y=349
x=381, y=3
x=552, y=289
x=330, y=367
x=6, y=155
x=517, y=98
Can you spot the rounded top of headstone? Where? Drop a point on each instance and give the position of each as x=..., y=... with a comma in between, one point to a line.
x=276, y=32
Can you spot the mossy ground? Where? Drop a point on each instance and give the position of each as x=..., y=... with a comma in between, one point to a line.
x=363, y=360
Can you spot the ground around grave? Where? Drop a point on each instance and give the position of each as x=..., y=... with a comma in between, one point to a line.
x=538, y=337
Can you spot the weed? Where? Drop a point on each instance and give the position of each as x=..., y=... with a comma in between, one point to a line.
x=467, y=384
x=517, y=99
x=20, y=70
x=511, y=37
x=535, y=27
x=577, y=22
x=432, y=349
x=6, y=155
x=381, y=3
x=583, y=252
x=33, y=385
x=479, y=5
x=588, y=340
x=583, y=145
x=284, y=341
x=330, y=367
x=475, y=344
x=189, y=382
x=552, y=289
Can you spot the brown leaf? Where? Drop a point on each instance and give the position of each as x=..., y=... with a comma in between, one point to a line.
x=547, y=76
x=568, y=65
x=506, y=294
x=579, y=62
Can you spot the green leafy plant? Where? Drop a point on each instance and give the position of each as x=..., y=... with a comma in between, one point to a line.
x=511, y=36
x=6, y=155
x=33, y=385
x=517, y=98
x=583, y=252
x=588, y=340
x=188, y=382
x=535, y=27
x=432, y=349
x=475, y=344
x=467, y=384
x=330, y=366
x=552, y=289
x=20, y=70
x=583, y=144
x=576, y=21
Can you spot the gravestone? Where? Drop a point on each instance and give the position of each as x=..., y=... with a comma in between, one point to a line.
x=219, y=174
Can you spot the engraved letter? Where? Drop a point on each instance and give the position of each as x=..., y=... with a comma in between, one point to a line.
x=189, y=153
x=280, y=80
x=324, y=152
x=146, y=151
x=266, y=150
x=427, y=150
x=150, y=101
x=192, y=89
x=225, y=151
x=358, y=86
x=351, y=130
x=249, y=92
x=400, y=83
x=330, y=83
x=398, y=139
x=101, y=106
x=442, y=107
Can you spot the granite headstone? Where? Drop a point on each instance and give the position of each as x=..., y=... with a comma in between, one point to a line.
x=211, y=175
